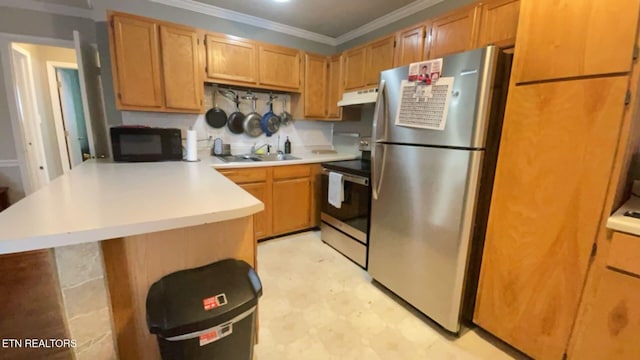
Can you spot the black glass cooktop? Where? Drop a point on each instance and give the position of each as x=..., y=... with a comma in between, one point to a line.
x=355, y=167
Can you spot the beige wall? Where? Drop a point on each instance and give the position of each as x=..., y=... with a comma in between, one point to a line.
x=40, y=54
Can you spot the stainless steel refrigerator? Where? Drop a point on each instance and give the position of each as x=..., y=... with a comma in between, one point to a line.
x=428, y=208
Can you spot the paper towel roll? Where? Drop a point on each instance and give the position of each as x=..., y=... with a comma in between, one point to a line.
x=192, y=145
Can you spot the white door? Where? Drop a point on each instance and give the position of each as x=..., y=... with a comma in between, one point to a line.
x=30, y=120
x=93, y=105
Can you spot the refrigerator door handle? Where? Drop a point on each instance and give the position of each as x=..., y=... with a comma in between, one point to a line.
x=379, y=117
x=376, y=178
x=379, y=121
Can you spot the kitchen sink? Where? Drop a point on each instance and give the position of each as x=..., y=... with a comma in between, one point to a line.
x=252, y=158
x=238, y=158
x=277, y=157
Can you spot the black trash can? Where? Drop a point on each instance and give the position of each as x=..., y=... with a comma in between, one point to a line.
x=205, y=313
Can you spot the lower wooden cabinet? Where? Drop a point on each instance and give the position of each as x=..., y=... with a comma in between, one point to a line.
x=291, y=205
x=610, y=324
x=261, y=223
x=289, y=193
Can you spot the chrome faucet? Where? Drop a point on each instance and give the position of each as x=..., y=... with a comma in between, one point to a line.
x=254, y=148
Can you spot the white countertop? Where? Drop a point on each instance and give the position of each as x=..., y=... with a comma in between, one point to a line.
x=305, y=158
x=626, y=224
x=101, y=200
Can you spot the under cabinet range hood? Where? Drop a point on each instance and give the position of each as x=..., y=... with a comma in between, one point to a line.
x=359, y=97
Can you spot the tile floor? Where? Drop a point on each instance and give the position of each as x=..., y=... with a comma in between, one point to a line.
x=319, y=305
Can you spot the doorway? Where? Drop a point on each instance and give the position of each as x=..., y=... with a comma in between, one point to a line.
x=78, y=117
x=68, y=113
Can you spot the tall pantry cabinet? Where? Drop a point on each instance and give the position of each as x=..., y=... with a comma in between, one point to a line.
x=562, y=126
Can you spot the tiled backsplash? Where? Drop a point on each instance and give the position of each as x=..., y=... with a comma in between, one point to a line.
x=303, y=134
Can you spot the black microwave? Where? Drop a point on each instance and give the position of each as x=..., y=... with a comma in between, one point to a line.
x=138, y=143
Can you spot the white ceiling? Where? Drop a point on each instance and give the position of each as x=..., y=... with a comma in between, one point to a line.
x=327, y=17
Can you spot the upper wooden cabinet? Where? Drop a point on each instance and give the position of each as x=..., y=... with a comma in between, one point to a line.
x=362, y=65
x=183, y=83
x=410, y=44
x=231, y=59
x=354, y=68
x=577, y=39
x=136, y=61
x=315, y=85
x=156, y=65
x=499, y=23
x=454, y=32
x=380, y=55
x=334, y=87
x=279, y=67
x=236, y=61
x=545, y=212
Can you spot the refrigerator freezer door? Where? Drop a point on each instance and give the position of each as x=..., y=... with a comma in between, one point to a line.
x=421, y=224
x=468, y=112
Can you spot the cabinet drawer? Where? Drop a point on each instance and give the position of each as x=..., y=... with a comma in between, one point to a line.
x=625, y=253
x=243, y=176
x=292, y=171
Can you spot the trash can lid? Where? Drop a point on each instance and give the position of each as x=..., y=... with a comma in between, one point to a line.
x=197, y=299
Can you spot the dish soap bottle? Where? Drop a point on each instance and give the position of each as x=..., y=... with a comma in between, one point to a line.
x=287, y=146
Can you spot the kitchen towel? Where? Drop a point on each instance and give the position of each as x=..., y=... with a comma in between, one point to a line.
x=336, y=189
x=192, y=145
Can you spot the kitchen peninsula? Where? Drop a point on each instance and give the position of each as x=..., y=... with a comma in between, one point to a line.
x=151, y=219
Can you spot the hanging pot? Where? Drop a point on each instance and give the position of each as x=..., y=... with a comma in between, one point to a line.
x=270, y=122
x=216, y=117
x=236, y=118
x=252, y=120
x=285, y=117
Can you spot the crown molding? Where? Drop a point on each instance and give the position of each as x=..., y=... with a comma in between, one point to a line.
x=48, y=8
x=9, y=163
x=216, y=11
x=387, y=19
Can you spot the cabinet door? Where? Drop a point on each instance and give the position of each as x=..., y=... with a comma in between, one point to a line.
x=334, y=87
x=454, y=32
x=137, y=62
x=261, y=220
x=410, y=45
x=354, y=68
x=279, y=66
x=499, y=22
x=182, y=74
x=563, y=39
x=230, y=59
x=557, y=149
x=315, y=85
x=380, y=55
x=613, y=321
x=291, y=205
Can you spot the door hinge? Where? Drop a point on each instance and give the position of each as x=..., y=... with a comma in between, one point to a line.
x=594, y=249
x=111, y=23
x=98, y=70
x=636, y=52
x=394, y=43
x=627, y=98
x=120, y=96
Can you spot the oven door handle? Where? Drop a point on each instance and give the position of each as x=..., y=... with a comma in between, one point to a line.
x=350, y=178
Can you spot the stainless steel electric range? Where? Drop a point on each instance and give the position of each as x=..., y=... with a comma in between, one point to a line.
x=346, y=228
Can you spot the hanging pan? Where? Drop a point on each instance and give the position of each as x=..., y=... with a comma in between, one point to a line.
x=216, y=117
x=236, y=118
x=270, y=122
x=252, y=120
x=285, y=117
